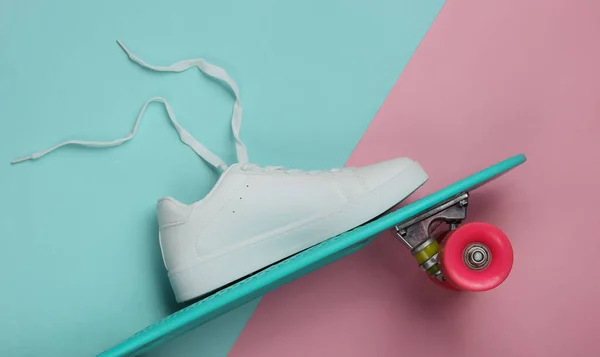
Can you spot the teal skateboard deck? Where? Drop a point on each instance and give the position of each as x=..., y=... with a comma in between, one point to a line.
x=444, y=204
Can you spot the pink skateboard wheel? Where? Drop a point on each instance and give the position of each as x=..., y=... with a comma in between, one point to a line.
x=476, y=257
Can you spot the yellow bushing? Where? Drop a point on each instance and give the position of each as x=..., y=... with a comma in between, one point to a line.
x=426, y=253
x=429, y=251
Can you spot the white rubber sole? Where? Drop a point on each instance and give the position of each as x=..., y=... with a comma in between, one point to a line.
x=214, y=273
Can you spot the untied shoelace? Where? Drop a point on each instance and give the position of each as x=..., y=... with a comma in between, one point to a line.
x=184, y=135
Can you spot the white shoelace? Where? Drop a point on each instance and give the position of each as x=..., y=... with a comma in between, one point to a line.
x=184, y=135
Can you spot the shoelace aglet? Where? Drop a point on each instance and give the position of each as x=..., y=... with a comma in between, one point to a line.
x=125, y=49
x=35, y=155
x=121, y=45
x=25, y=158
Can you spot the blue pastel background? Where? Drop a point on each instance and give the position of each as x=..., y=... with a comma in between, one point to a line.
x=81, y=268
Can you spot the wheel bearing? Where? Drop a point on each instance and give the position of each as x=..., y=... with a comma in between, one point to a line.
x=477, y=256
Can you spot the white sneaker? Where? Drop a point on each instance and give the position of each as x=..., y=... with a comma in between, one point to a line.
x=255, y=216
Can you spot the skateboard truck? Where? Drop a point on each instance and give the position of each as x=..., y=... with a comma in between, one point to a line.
x=475, y=256
x=417, y=234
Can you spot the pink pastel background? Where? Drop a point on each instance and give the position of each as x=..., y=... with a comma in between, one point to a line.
x=491, y=79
